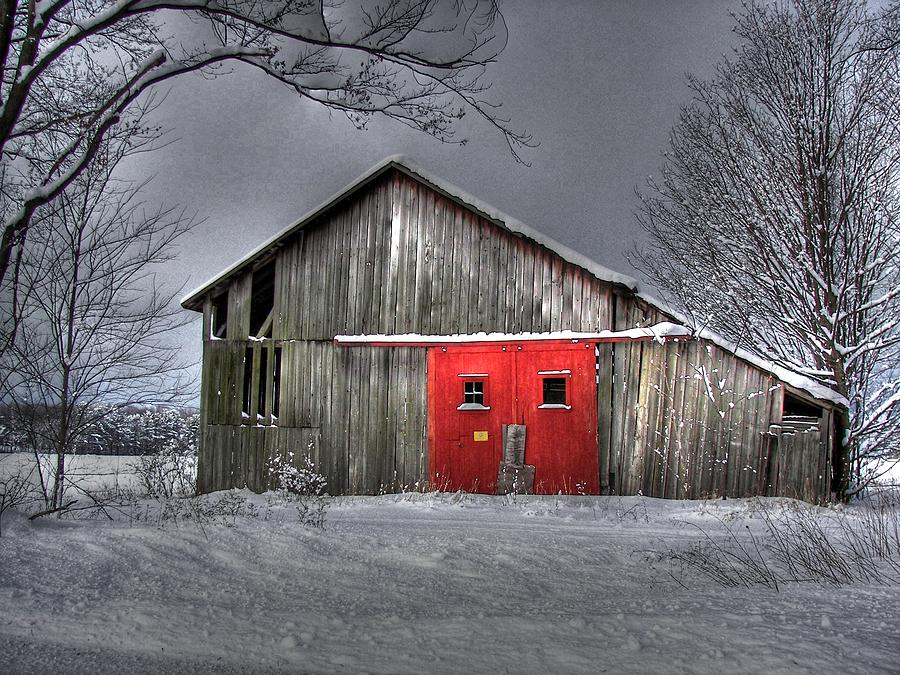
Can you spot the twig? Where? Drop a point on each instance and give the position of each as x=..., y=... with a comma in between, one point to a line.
x=47, y=512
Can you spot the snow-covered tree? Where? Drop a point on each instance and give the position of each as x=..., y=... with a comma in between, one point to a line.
x=776, y=220
x=92, y=325
x=73, y=69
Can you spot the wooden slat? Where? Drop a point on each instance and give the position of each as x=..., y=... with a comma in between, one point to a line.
x=420, y=278
x=303, y=309
x=435, y=265
x=340, y=415
x=564, y=315
x=546, y=291
x=495, y=267
x=671, y=478
x=325, y=317
x=404, y=287
x=348, y=253
x=708, y=419
x=418, y=472
x=444, y=227
x=577, y=321
x=458, y=270
x=652, y=376
x=379, y=448
x=728, y=369
x=620, y=354
x=391, y=425
x=527, y=298
x=365, y=257
x=514, y=302
x=355, y=253
x=321, y=281
x=635, y=414
x=356, y=460
x=605, y=397
x=377, y=231
x=696, y=418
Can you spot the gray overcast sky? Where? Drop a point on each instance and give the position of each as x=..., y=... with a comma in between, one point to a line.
x=599, y=84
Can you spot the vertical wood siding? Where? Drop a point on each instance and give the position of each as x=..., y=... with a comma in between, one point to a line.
x=688, y=420
x=400, y=258
x=358, y=414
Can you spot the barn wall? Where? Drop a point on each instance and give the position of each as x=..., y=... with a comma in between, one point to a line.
x=335, y=409
x=688, y=420
x=400, y=258
x=396, y=257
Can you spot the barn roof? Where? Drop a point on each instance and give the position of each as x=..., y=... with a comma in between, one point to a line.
x=194, y=299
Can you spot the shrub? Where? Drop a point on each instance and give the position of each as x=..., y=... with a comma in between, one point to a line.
x=799, y=545
x=16, y=489
x=167, y=474
x=301, y=485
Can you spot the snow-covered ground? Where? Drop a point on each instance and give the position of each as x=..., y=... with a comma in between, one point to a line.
x=422, y=584
x=88, y=472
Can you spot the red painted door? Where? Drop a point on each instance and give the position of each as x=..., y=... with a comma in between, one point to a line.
x=557, y=403
x=474, y=391
x=471, y=395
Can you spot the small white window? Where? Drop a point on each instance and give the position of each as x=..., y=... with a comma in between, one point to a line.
x=473, y=396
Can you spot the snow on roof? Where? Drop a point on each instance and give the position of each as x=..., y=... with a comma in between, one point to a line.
x=660, y=332
x=404, y=165
x=794, y=379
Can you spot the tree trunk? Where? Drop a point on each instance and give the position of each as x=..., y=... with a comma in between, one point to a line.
x=840, y=455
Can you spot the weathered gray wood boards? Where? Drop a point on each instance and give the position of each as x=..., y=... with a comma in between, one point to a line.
x=359, y=414
x=398, y=256
x=688, y=420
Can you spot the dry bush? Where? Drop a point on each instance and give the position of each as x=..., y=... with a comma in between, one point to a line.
x=800, y=545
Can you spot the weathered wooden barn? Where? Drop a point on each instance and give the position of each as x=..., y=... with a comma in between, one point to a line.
x=405, y=336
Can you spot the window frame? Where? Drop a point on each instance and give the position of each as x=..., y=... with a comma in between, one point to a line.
x=474, y=378
x=562, y=374
x=261, y=383
x=218, y=324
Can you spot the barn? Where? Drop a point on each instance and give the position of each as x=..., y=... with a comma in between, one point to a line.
x=405, y=336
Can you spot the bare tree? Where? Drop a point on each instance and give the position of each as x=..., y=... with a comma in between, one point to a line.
x=72, y=69
x=92, y=323
x=777, y=218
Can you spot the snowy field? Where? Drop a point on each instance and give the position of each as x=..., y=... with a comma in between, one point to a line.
x=424, y=584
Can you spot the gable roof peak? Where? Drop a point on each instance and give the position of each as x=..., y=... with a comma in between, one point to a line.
x=194, y=299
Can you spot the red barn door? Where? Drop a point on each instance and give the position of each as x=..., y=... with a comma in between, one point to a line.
x=557, y=403
x=470, y=397
x=551, y=389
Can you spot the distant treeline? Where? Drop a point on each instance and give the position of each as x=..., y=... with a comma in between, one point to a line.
x=113, y=431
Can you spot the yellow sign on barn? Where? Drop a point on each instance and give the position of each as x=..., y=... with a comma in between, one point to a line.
x=480, y=435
